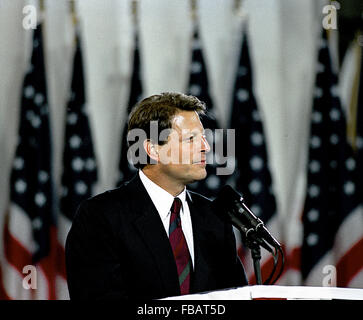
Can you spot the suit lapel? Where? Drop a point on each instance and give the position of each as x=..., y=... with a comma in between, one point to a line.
x=151, y=230
x=200, y=276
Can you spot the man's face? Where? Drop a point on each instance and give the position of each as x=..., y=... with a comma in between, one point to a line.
x=183, y=157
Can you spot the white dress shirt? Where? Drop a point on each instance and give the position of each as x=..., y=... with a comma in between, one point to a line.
x=163, y=201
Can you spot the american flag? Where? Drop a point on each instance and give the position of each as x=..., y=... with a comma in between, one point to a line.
x=79, y=161
x=350, y=266
x=199, y=86
x=127, y=170
x=332, y=218
x=252, y=177
x=357, y=106
x=30, y=233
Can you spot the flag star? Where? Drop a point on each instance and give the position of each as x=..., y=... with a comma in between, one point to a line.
x=77, y=164
x=80, y=187
x=213, y=182
x=29, y=115
x=350, y=164
x=334, y=139
x=72, y=96
x=322, y=43
x=256, y=209
x=75, y=142
x=242, y=71
x=37, y=223
x=40, y=199
x=20, y=186
x=29, y=91
x=39, y=99
x=256, y=163
x=312, y=239
x=334, y=114
x=196, y=67
x=44, y=109
x=72, y=118
x=333, y=164
x=256, y=138
x=313, y=215
x=64, y=191
x=255, y=186
x=359, y=142
x=256, y=115
x=318, y=92
x=349, y=188
x=18, y=163
x=84, y=109
x=314, y=191
x=195, y=90
x=30, y=68
x=320, y=68
x=334, y=90
x=314, y=166
x=242, y=95
x=90, y=164
x=315, y=142
x=316, y=117
x=35, y=121
x=43, y=176
x=35, y=43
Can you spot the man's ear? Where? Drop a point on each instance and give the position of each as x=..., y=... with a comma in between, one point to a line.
x=151, y=149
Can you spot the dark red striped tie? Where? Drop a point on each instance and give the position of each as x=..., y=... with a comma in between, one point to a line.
x=180, y=247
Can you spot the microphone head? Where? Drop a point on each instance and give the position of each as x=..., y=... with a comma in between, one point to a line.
x=227, y=195
x=225, y=200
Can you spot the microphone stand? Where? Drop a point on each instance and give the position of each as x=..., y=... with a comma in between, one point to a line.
x=256, y=257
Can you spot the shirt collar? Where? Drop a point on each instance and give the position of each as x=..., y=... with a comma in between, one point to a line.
x=162, y=199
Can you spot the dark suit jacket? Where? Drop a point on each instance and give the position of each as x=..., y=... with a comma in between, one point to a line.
x=117, y=248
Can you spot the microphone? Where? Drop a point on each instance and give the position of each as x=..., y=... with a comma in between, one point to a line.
x=229, y=202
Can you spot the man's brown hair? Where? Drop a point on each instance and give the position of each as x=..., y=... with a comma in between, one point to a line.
x=161, y=108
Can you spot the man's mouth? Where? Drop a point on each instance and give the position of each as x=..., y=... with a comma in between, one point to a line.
x=200, y=162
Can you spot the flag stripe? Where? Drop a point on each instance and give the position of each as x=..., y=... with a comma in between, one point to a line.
x=16, y=254
x=29, y=227
x=350, y=264
x=127, y=170
x=332, y=216
x=253, y=179
x=199, y=86
x=20, y=227
x=80, y=170
x=3, y=294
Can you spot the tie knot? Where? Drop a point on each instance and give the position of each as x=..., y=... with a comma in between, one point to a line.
x=175, y=208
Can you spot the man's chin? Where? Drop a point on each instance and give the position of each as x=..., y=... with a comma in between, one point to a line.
x=202, y=174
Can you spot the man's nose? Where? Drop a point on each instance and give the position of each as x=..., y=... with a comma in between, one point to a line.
x=205, y=145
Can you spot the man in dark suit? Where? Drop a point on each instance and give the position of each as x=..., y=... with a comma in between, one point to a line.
x=152, y=238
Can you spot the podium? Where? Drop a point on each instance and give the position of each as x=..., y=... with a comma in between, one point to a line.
x=275, y=292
